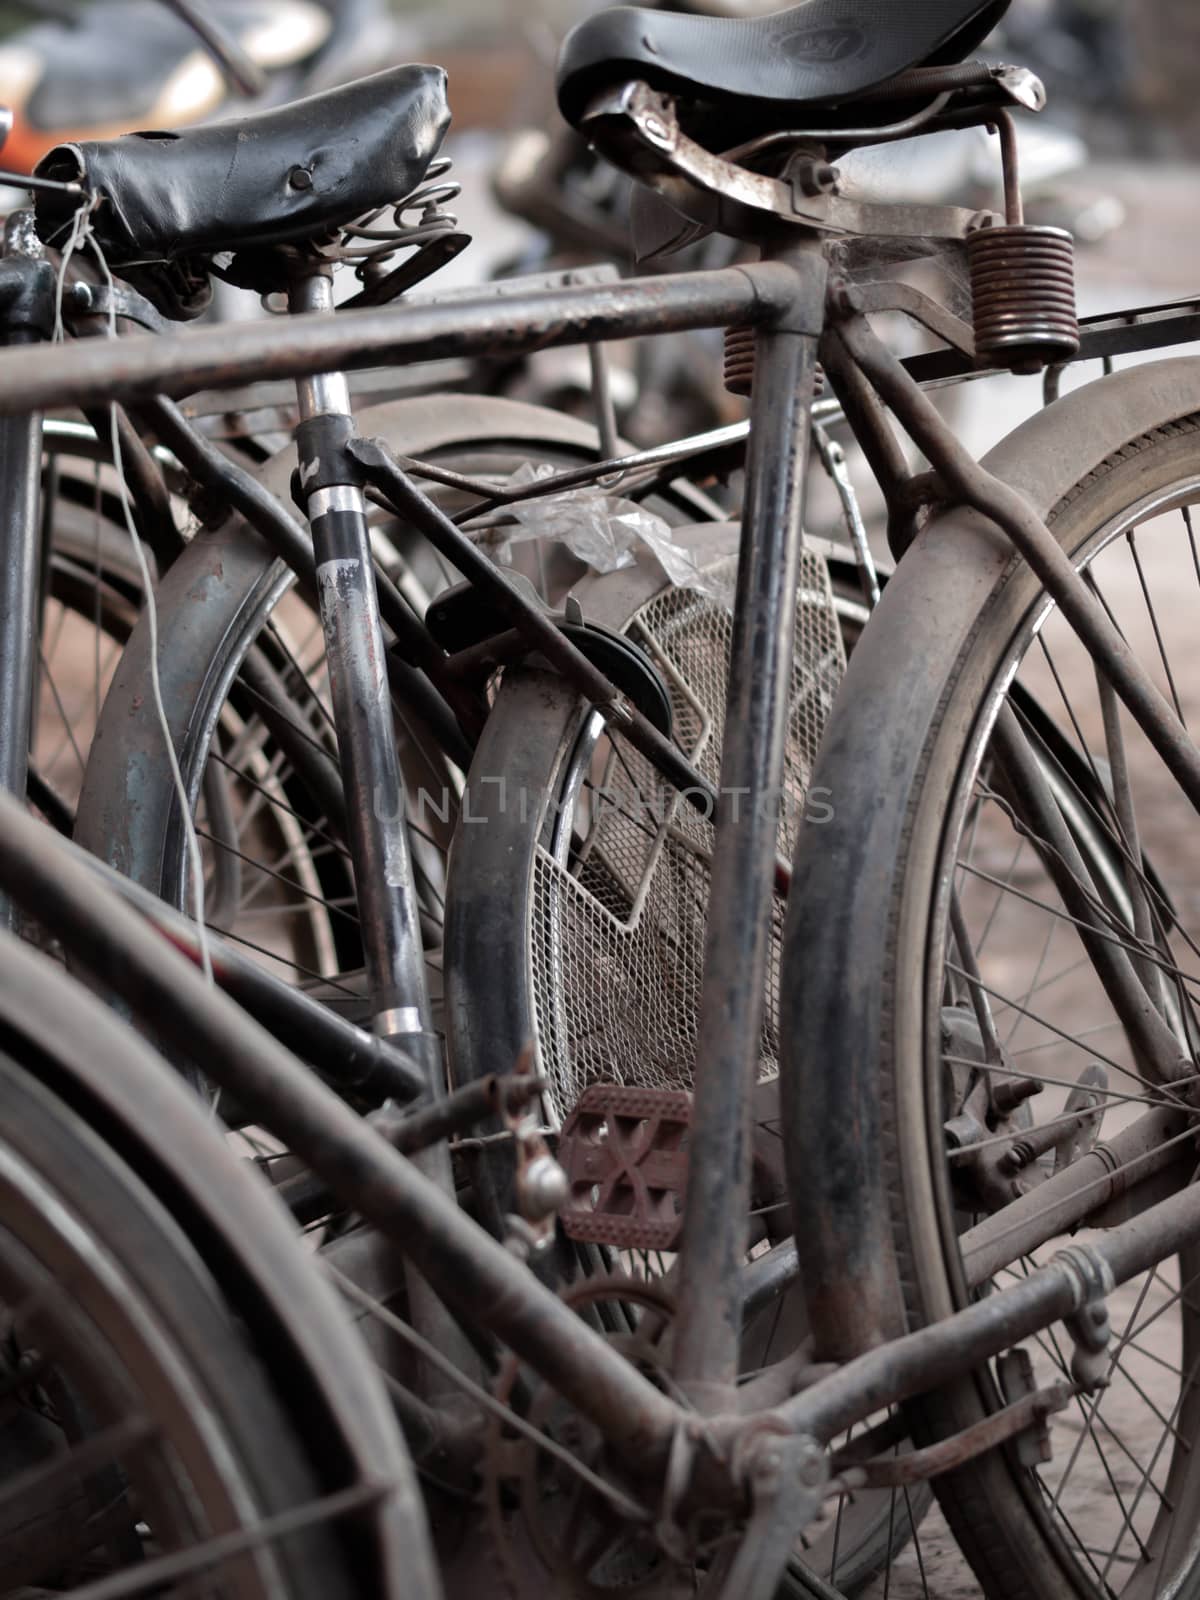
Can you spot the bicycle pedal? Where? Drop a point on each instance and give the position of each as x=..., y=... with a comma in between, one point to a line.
x=625, y=1153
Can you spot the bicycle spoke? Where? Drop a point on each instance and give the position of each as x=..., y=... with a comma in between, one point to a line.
x=1136, y=951
x=1067, y=1038
x=914, y=1524
x=1131, y=539
x=1034, y=981
x=68, y=725
x=286, y=961
x=279, y=877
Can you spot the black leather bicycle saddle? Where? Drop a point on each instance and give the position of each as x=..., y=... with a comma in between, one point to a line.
x=278, y=176
x=758, y=74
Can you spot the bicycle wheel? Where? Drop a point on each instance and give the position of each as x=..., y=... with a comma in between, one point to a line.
x=90, y=601
x=159, y=1427
x=577, y=910
x=278, y=874
x=959, y=970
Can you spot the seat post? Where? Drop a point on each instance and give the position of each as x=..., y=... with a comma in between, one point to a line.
x=337, y=512
x=371, y=778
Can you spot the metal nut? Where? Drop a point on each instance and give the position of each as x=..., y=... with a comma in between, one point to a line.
x=816, y=177
x=544, y=1188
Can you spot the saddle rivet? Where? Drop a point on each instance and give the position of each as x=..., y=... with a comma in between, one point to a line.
x=300, y=178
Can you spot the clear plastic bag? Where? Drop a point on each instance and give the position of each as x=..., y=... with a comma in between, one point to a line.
x=604, y=531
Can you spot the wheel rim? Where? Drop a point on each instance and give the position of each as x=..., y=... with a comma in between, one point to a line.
x=125, y=1438
x=1120, y=1494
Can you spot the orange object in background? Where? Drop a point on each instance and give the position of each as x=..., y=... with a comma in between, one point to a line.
x=126, y=64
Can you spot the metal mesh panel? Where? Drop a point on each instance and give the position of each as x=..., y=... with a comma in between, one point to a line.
x=617, y=943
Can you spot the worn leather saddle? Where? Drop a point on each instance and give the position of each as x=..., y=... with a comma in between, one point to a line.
x=742, y=76
x=164, y=204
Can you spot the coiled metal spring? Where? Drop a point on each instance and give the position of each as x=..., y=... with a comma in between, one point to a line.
x=1023, y=296
x=417, y=220
x=740, y=361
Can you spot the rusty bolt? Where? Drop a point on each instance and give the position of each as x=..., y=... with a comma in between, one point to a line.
x=1007, y=1096
x=816, y=177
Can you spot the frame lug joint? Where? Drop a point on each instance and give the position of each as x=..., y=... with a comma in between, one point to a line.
x=324, y=460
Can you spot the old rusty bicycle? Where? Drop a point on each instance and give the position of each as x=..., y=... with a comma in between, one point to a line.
x=911, y=1190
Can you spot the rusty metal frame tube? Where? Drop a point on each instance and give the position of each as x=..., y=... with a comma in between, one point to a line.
x=20, y=474
x=143, y=366
x=875, y=438
x=1111, y=1169
x=20, y=530
x=768, y=1276
x=737, y=941
x=1015, y=517
x=922, y=1361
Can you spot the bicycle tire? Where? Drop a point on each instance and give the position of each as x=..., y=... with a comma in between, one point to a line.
x=124, y=1204
x=917, y=708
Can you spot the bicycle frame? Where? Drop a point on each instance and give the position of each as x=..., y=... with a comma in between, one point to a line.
x=726, y=1461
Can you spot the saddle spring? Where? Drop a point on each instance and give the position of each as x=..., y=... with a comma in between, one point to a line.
x=1023, y=296
x=419, y=222
x=1022, y=281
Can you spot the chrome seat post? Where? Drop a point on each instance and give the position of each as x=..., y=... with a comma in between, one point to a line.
x=337, y=512
x=372, y=783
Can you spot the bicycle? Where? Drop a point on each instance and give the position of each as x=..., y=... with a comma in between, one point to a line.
x=719, y=1465
x=167, y=1416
